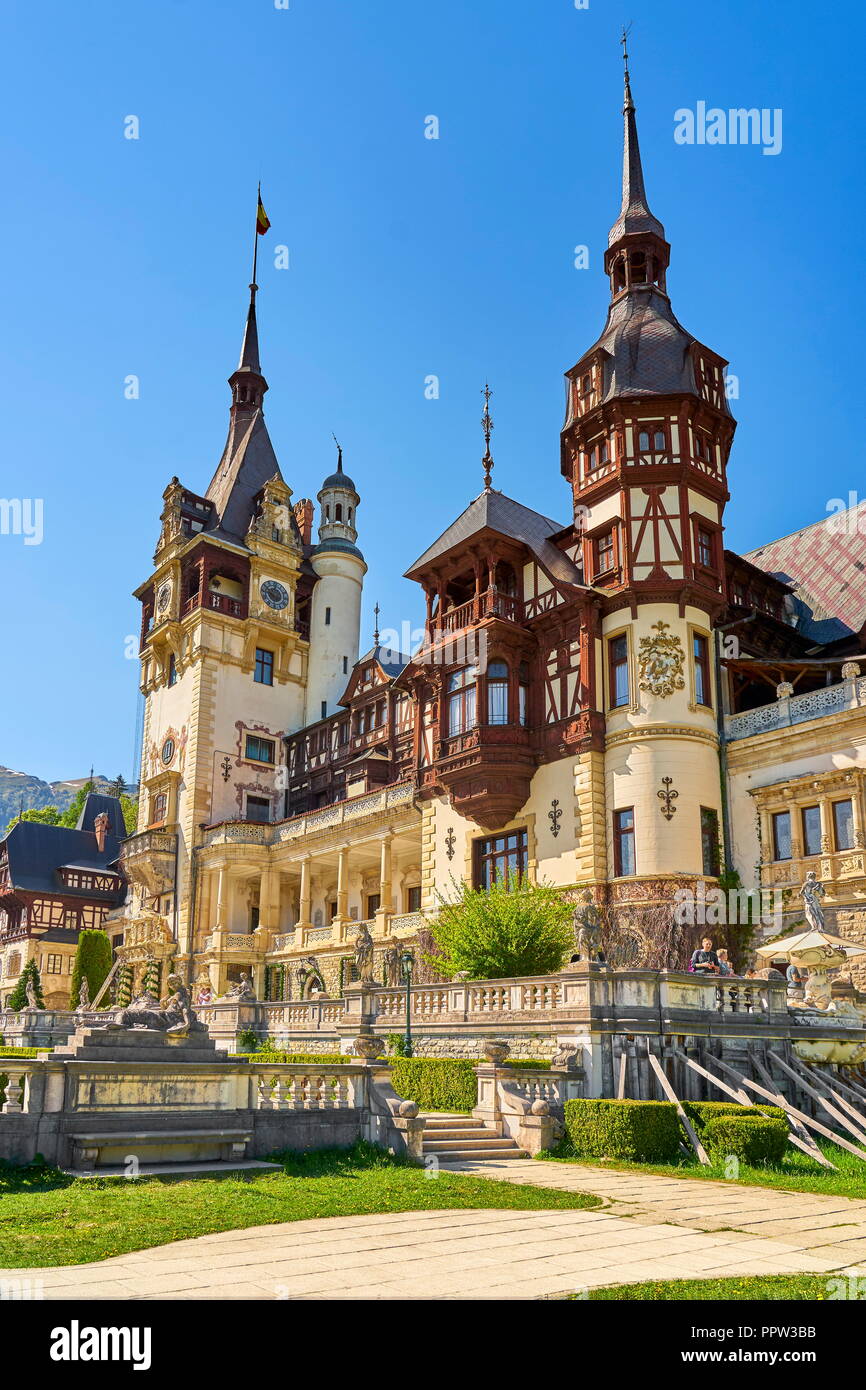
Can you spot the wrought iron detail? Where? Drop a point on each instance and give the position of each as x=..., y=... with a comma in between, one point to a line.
x=667, y=797
x=554, y=815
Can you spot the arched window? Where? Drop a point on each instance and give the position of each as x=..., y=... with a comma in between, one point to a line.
x=497, y=693
x=338, y=512
x=461, y=701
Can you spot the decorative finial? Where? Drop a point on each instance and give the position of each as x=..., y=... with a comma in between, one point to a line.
x=487, y=426
x=339, y=452
x=377, y=611
x=629, y=104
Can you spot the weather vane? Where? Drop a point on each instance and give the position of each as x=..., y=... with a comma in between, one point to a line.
x=377, y=611
x=487, y=426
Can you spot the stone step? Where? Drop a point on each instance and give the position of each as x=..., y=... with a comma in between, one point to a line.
x=483, y=1146
x=477, y=1133
x=213, y=1169
x=464, y=1155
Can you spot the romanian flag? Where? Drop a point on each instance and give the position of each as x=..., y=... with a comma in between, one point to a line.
x=262, y=222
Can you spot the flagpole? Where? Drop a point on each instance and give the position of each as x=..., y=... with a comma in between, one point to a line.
x=254, y=286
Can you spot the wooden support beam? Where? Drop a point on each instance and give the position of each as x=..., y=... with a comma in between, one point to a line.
x=838, y=1115
x=620, y=1084
x=798, y=1136
x=798, y=1133
x=671, y=1094
x=778, y=1099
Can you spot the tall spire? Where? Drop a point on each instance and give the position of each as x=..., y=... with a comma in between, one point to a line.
x=249, y=359
x=634, y=215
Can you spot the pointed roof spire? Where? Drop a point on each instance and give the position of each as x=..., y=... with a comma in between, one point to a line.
x=634, y=214
x=249, y=359
x=377, y=611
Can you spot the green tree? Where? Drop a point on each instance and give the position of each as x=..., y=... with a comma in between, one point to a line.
x=18, y=998
x=45, y=815
x=514, y=928
x=93, y=960
x=76, y=806
x=129, y=807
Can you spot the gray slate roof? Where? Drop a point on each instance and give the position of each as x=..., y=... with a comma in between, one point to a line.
x=648, y=350
x=492, y=510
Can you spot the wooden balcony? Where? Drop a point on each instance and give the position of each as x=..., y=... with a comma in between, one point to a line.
x=483, y=607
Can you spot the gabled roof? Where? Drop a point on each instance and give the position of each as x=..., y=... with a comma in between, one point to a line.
x=825, y=564
x=37, y=853
x=390, y=663
x=493, y=511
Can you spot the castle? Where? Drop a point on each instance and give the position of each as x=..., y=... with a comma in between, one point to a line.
x=576, y=711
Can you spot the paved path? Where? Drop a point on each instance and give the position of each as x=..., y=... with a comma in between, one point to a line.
x=655, y=1228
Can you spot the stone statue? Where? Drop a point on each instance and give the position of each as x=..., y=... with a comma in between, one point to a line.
x=176, y=1016
x=812, y=892
x=589, y=931
x=364, y=955
x=30, y=991
x=392, y=966
x=84, y=994
x=242, y=992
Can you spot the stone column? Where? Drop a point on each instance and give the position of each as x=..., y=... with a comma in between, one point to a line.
x=220, y=915
x=305, y=899
x=342, y=887
x=386, y=893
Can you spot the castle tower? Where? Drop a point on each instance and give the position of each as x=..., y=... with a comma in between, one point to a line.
x=223, y=662
x=645, y=447
x=335, y=614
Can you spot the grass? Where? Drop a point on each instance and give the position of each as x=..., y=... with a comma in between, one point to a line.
x=796, y=1287
x=48, y=1218
x=797, y=1173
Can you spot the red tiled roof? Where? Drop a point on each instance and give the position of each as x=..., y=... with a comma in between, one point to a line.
x=825, y=563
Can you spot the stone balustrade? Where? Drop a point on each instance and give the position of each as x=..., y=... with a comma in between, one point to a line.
x=299, y=827
x=796, y=709
x=290, y=1086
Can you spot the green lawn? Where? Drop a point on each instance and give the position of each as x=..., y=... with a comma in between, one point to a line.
x=798, y=1172
x=47, y=1218
x=805, y=1287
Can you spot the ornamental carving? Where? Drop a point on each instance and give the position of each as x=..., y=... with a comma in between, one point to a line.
x=660, y=662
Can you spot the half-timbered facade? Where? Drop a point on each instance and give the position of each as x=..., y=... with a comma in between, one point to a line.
x=55, y=883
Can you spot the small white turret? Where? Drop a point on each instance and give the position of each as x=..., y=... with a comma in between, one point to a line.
x=335, y=615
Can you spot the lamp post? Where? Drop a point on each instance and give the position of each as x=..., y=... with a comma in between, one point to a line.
x=407, y=962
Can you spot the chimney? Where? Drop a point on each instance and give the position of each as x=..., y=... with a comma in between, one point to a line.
x=100, y=830
x=304, y=518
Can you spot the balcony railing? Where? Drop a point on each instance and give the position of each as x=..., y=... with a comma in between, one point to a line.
x=797, y=709
x=491, y=604
x=220, y=603
x=342, y=812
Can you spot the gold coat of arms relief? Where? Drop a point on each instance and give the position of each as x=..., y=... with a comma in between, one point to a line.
x=660, y=662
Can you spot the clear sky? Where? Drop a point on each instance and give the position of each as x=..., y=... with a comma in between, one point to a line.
x=409, y=257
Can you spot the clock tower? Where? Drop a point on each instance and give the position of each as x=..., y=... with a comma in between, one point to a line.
x=224, y=658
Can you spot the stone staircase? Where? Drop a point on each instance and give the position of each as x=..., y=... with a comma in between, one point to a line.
x=461, y=1139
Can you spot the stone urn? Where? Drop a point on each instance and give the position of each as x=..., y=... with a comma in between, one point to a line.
x=495, y=1050
x=368, y=1047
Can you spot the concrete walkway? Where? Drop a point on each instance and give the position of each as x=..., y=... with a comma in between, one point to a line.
x=656, y=1228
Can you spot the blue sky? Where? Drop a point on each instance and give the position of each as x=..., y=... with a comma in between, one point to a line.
x=408, y=258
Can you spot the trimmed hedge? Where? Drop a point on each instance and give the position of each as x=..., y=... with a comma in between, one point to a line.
x=700, y=1111
x=436, y=1083
x=751, y=1139
x=22, y=1051
x=644, y=1131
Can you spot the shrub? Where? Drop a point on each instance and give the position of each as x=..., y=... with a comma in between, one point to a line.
x=511, y=929
x=18, y=998
x=93, y=960
x=396, y=1044
x=700, y=1111
x=248, y=1040
x=644, y=1131
x=750, y=1138
x=301, y=1058
x=436, y=1083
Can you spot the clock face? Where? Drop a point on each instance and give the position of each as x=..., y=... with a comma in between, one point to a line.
x=167, y=750
x=163, y=597
x=274, y=594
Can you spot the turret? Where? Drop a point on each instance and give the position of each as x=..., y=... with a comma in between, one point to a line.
x=335, y=616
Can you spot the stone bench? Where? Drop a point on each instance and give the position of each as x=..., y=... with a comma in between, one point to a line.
x=102, y=1149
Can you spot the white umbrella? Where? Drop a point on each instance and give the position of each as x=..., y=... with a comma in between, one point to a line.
x=810, y=940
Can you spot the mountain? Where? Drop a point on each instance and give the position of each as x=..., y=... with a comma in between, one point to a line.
x=20, y=789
